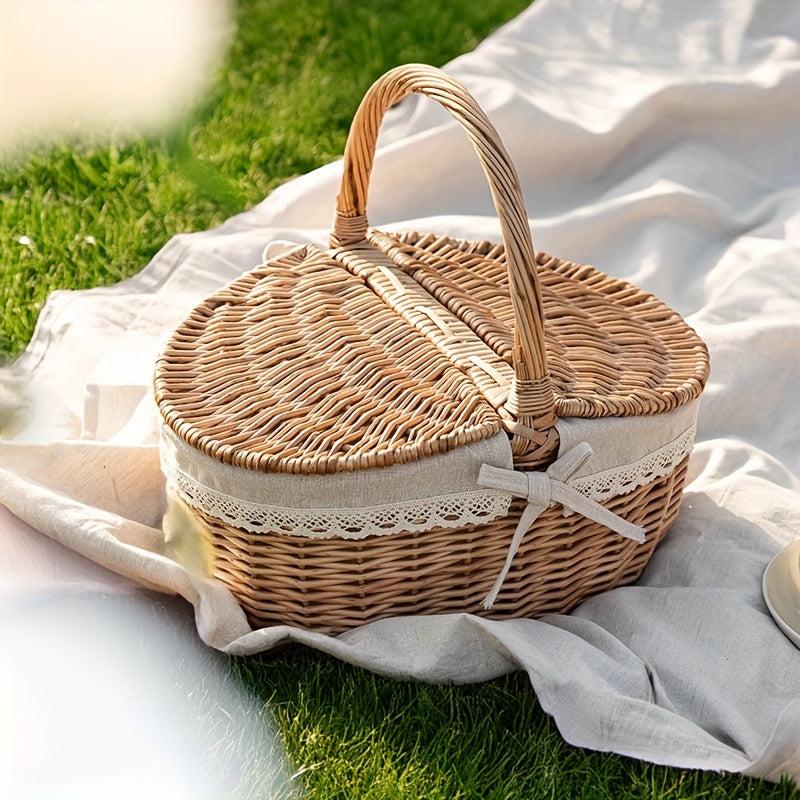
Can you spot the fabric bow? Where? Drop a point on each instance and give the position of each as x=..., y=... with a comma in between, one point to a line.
x=543, y=489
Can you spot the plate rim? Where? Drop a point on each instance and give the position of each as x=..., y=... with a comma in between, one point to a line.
x=786, y=628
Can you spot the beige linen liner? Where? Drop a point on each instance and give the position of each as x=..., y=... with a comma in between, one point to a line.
x=439, y=491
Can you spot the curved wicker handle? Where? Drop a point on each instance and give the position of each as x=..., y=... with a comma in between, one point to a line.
x=530, y=405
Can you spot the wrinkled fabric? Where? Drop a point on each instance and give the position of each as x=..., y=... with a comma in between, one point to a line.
x=657, y=141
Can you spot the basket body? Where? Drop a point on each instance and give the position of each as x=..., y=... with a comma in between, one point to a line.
x=331, y=585
x=388, y=365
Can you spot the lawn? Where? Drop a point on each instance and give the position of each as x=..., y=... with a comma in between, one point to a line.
x=77, y=215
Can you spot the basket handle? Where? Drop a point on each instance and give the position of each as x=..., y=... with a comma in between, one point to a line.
x=529, y=411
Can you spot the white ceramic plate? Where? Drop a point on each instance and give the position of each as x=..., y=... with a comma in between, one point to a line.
x=781, y=588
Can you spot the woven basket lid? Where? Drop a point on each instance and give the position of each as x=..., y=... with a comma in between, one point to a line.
x=299, y=367
x=389, y=348
x=612, y=349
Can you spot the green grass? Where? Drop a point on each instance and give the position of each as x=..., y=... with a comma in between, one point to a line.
x=84, y=214
x=352, y=734
x=90, y=214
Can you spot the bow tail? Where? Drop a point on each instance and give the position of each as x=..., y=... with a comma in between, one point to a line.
x=575, y=501
x=526, y=519
x=543, y=489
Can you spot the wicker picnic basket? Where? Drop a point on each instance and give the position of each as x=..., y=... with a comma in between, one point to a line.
x=407, y=423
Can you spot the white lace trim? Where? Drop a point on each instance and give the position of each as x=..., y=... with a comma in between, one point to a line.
x=448, y=511
x=624, y=479
x=419, y=514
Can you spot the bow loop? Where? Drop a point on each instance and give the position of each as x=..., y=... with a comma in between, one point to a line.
x=564, y=467
x=543, y=489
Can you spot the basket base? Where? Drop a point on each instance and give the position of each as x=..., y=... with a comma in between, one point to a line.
x=332, y=585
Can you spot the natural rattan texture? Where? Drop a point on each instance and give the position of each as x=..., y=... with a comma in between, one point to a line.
x=319, y=362
x=612, y=349
x=331, y=585
x=367, y=357
x=299, y=367
x=530, y=405
x=391, y=347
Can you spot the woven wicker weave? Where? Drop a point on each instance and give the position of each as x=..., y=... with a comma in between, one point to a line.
x=330, y=585
x=389, y=348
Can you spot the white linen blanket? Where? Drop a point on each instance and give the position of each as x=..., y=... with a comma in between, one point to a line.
x=656, y=140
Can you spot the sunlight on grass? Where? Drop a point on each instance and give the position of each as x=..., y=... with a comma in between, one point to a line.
x=87, y=215
x=355, y=734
